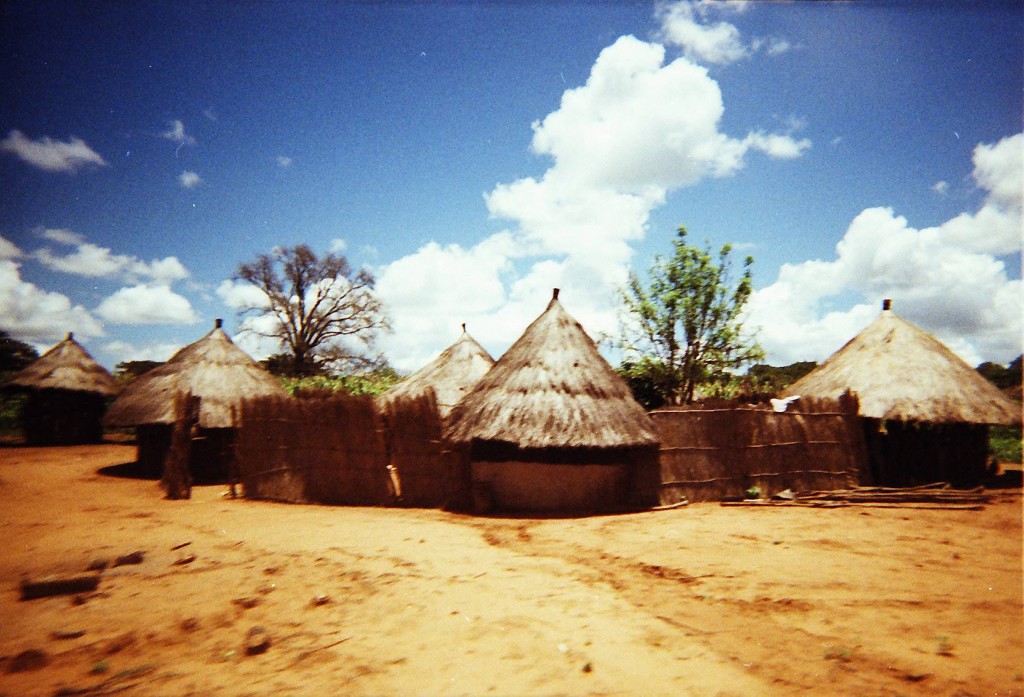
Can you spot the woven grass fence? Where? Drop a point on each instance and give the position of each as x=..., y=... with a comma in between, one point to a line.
x=718, y=451
x=413, y=439
x=337, y=450
x=327, y=450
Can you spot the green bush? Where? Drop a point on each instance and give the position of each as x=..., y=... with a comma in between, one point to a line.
x=365, y=384
x=1004, y=443
x=11, y=405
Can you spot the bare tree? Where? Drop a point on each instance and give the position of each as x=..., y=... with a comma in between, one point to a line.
x=316, y=303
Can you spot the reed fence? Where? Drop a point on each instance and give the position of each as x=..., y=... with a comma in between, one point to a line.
x=341, y=449
x=413, y=434
x=719, y=450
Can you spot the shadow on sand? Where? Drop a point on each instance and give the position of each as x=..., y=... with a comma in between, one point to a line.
x=129, y=470
x=1009, y=477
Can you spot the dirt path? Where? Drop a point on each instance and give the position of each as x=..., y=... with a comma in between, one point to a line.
x=701, y=600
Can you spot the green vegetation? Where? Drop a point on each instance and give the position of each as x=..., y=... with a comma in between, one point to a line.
x=11, y=405
x=372, y=383
x=14, y=355
x=1002, y=377
x=768, y=379
x=683, y=327
x=1004, y=443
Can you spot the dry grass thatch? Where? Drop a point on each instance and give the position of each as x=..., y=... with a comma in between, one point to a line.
x=67, y=366
x=213, y=369
x=451, y=375
x=552, y=389
x=902, y=373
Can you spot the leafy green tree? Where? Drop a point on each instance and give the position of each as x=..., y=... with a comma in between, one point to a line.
x=770, y=379
x=649, y=381
x=684, y=325
x=14, y=354
x=315, y=304
x=1000, y=376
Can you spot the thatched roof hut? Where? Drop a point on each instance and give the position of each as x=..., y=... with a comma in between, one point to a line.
x=903, y=373
x=66, y=366
x=926, y=411
x=213, y=369
x=552, y=425
x=451, y=375
x=67, y=391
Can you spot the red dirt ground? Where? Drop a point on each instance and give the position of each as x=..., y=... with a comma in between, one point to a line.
x=700, y=600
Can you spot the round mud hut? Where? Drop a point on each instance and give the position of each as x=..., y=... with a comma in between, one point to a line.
x=66, y=392
x=450, y=376
x=552, y=427
x=926, y=412
x=216, y=371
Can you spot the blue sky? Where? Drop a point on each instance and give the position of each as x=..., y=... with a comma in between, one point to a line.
x=475, y=155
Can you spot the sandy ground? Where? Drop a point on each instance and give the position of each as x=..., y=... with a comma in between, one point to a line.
x=701, y=600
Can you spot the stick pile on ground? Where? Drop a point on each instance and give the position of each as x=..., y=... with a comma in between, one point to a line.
x=939, y=494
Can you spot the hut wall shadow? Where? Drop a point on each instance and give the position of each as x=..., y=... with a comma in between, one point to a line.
x=537, y=480
x=910, y=454
x=63, y=417
x=209, y=457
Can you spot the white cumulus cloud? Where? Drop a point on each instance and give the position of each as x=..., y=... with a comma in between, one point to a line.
x=239, y=295
x=947, y=279
x=62, y=236
x=638, y=129
x=688, y=25
x=144, y=304
x=32, y=314
x=996, y=227
x=52, y=155
x=122, y=351
x=692, y=26
x=94, y=261
x=8, y=250
x=783, y=147
x=99, y=262
x=189, y=179
x=176, y=133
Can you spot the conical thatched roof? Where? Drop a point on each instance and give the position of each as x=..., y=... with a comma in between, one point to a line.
x=902, y=373
x=67, y=366
x=451, y=375
x=213, y=369
x=552, y=389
